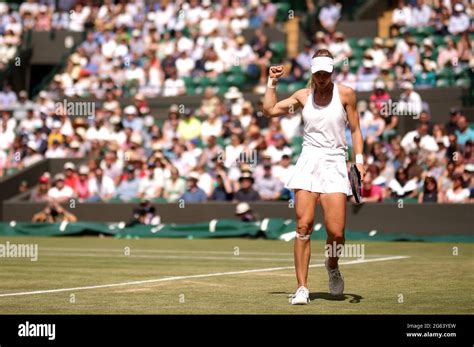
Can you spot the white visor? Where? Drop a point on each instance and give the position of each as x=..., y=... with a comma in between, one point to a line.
x=322, y=64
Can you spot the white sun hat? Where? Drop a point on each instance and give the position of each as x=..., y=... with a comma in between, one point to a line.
x=242, y=208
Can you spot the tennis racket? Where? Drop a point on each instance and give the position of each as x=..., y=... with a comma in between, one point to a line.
x=356, y=184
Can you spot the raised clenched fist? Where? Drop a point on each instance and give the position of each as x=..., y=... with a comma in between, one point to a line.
x=275, y=71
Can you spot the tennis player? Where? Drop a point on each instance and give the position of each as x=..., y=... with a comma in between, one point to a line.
x=320, y=174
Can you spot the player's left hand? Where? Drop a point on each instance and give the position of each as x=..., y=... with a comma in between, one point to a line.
x=361, y=169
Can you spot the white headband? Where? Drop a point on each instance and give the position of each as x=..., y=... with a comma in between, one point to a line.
x=322, y=64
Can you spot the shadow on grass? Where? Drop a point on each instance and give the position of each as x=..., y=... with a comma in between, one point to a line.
x=353, y=298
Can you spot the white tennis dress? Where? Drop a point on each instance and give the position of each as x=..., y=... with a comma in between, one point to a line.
x=321, y=166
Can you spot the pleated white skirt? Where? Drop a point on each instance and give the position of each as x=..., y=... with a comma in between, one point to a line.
x=320, y=170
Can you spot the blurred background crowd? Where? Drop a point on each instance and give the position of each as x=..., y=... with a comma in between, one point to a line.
x=225, y=149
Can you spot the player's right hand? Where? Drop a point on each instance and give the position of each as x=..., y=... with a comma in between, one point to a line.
x=275, y=71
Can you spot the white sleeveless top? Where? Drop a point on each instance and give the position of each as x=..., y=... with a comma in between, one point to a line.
x=324, y=127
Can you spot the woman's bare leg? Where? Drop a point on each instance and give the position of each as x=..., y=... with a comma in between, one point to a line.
x=305, y=204
x=334, y=208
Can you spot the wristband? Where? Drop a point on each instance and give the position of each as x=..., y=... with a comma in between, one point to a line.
x=270, y=82
x=359, y=159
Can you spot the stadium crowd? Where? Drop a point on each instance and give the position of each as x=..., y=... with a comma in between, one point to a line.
x=225, y=149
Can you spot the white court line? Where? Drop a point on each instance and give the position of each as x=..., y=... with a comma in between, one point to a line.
x=153, y=250
x=176, y=278
x=133, y=251
x=156, y=256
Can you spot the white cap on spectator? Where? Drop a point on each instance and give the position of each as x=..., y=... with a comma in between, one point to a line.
x=115, y=119
x=233, y=93
x=83, y=170
x=37, y=123
x=149, y=121
x=368, y=63
x=194, y=176
x=136, y=138
x=427, y=42
x=459, y=7
x=379, y=84
x=56, y=124
x=69, y=166
x=32, y=145
x=42, y=94
x=378, y=41
x=151, y=16
x=136, y=33
x=240, y=11
x=130, y=109
x=59, y=177
x=3, y=8
x=74, y=144
x=81, y=131
x=23, y=94
x=206, y=3
x=242, y=208
x=407, y=85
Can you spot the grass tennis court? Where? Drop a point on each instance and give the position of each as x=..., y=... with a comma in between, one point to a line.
x=164, y=276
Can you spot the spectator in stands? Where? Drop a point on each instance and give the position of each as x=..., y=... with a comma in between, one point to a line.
x=244, y=212
x=448, y=57
x=410, y=102
x=174, y=187
x=430, y=191
x=128, y=188
x=222, y=188
x=464, y=133
x=60, y=192
x=329, y=15
x=151, y=186
x=426, y=78
x=101, y=187
x=267, y=12
x=70, y=177
x=82, y=184
x=174, y=86
x=452, y=123
x=459, y=20
x=268, y=186
x=401, y=17
x=193, y=193
x=401, y=186
x=40, y=193
x=189, y=126
x=419, y=139
x=457, y=194
x=54, y=213
x=32, y=155
x=464, y=49
x=377, y=52
x=371, y=192
x=366, y=75
x=340, y=48
x=346, y=77
x=246, y=191
x=420, y=14
x=23, y=106
x=8, y=97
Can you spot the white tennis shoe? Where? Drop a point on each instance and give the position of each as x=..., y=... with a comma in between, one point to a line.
x=336, y=281
x=301, y=297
